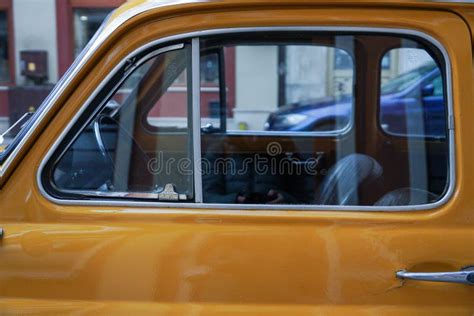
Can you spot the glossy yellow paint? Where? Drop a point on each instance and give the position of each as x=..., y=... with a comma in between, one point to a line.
x=57, y=259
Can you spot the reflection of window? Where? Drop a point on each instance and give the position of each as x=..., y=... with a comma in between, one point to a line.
x=4, y=58
x=210, y=69
x=212, y=113
x=86, y=23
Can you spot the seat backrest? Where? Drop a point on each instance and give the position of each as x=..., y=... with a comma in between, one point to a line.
x=345, y=180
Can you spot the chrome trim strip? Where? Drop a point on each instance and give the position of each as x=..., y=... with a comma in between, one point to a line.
x=450, y=1
x=153, y=54
x=407, y=208
x=196, y=123
x=335, y=133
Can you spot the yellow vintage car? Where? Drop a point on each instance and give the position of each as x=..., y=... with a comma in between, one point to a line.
x=280, y=157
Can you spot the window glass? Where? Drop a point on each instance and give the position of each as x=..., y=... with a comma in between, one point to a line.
x=118, y=154
x=342, y=60
x=279, y=85
x=369, y=144
x=266, y=94
x=177, y=93
x=412, y=97
x=213, y=115
x=86, y=23
x=437, y=83
x=169, y=113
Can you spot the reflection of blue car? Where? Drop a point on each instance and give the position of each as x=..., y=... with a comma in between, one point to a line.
x=412, y=103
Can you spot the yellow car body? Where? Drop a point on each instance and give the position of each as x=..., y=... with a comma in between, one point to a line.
x=112, y=259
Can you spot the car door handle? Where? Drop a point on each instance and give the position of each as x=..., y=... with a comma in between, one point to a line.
x=465, y=276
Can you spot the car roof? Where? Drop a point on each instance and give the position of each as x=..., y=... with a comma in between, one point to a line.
x=136, y=7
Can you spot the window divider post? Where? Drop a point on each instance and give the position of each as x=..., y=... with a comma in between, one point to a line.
x=196, y=119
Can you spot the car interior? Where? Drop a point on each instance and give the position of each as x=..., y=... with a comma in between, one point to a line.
x=362, y=166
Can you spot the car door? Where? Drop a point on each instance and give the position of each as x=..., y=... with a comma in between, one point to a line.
x=142, y=240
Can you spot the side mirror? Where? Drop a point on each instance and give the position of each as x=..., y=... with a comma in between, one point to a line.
x=427, y=91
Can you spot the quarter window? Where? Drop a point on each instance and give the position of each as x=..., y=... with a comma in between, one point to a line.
x=304, y=119
x=116, y=155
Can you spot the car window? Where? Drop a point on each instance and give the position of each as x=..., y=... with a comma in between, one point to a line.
x=282, y=118
x=412, y=96
x=284, y=91
x=115, y=155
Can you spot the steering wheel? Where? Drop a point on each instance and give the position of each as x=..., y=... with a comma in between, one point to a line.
x=104, y=124
x=98, y=128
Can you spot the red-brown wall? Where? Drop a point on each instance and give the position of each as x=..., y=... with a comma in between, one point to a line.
x=65, y=26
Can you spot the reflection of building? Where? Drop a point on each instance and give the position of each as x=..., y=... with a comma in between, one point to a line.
x=299, y=81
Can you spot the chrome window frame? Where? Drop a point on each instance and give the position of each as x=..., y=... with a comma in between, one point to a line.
x=194, y=37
